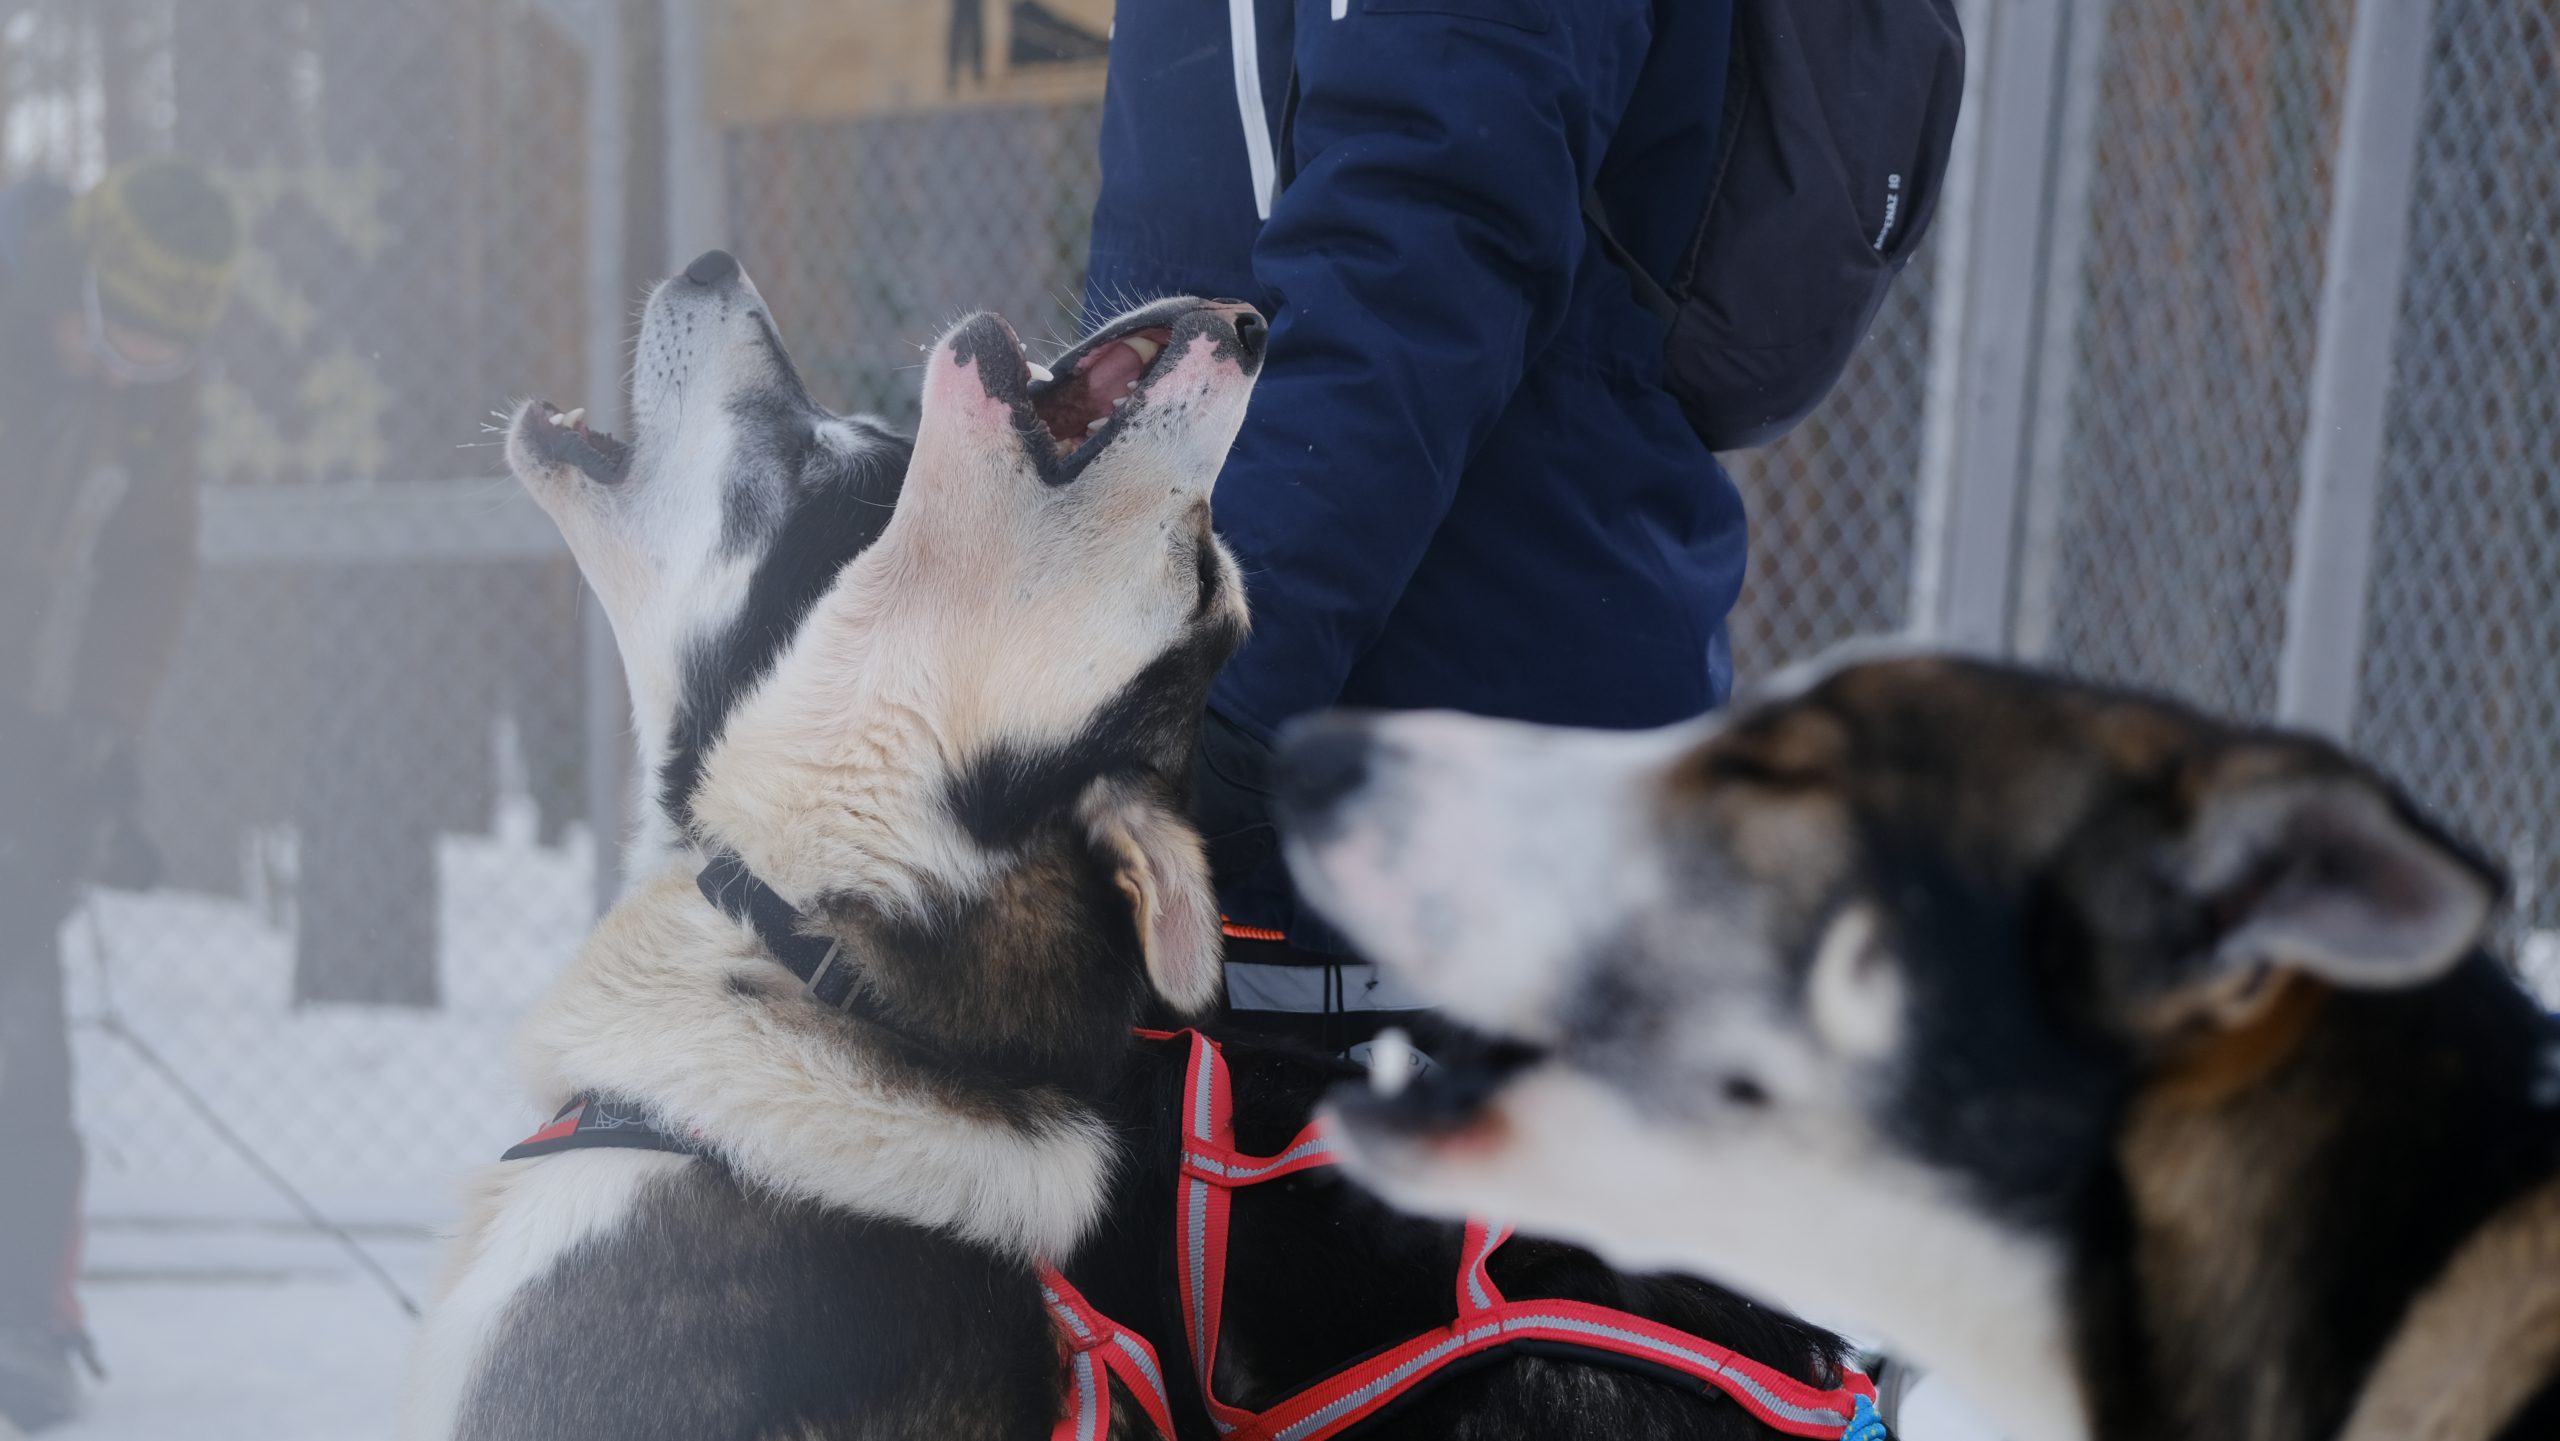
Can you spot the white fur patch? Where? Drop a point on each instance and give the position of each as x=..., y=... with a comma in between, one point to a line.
x=1854, y=990
x=786, y=1091
x=1811, y=1216
x=1430, y=869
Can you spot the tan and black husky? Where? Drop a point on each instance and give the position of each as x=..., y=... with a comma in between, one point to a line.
x=2143, y=1072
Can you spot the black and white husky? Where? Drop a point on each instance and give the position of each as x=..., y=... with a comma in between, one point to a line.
x=958, y=758
x=710, y=541
x=2143, y=1072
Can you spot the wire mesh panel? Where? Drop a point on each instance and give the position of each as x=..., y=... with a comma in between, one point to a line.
x=1830, y=505
x=2460, y=695
x=365, y=769
x=2198, y=312
x=870, y=235
x=893, y=166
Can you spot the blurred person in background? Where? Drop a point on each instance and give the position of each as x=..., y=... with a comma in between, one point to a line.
x=1463, y=482
x=105, y=299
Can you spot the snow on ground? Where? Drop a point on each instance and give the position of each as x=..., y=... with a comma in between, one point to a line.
x=243, y=1333
x=218, y=1313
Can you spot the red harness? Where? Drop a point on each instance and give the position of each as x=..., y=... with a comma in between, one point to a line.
x=1213, y=1170
x=1093, y=1347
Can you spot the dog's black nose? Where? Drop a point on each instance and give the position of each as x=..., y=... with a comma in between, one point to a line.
x=1320, y=762
x=712, y=267
x=1253, y=333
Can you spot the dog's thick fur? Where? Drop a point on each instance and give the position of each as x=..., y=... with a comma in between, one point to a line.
x=707, y=567
x=2142, y=1072
x=961, y=756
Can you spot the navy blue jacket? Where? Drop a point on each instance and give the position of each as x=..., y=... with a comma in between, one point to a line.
x=1461, y=483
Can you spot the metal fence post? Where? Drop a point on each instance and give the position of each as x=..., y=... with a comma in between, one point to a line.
x=1964, y=536
x=607, y=733
x=2318, y=670
x=697, y=203
x=606, y=719
x=2064, y=286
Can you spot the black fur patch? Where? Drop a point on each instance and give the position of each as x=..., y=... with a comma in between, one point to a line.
x=817, y=508
x=1028, y=991
x=718, y=1312
x=1006, y=792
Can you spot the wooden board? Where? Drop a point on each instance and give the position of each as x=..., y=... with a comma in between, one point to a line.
x=786, y=60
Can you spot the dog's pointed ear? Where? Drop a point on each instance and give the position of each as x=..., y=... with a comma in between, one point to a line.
x=1162, y=868
x=2322, y=868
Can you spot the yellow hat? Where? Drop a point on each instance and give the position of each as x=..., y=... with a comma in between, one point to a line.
x=162, y=242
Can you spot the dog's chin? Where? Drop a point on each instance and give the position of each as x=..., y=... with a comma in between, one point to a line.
x=545, y=442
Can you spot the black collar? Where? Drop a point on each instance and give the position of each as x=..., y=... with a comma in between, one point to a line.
x=826, y=975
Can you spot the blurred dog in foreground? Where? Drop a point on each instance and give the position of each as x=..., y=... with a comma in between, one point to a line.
x=2143, y=1073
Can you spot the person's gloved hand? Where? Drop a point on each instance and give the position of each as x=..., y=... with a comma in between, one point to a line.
x=1231, y=802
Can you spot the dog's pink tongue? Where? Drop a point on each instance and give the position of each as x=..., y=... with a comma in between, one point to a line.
x=1112, y=370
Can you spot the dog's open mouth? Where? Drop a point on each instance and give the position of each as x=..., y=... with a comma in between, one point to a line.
x=1445, y=1097
x=562, y=437
x=1094, y=384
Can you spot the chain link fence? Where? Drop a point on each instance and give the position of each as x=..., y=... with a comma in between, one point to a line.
x=2198, y=310
x=2199, y=305
x=2459, y=696
x=376, y=766
x=366, y=778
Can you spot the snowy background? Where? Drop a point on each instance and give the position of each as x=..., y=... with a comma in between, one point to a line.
x=218, y=1312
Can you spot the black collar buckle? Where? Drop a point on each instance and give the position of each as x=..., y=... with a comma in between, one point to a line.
x=817, y=960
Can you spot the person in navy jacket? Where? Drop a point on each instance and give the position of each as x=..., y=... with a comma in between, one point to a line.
x=1462, y=483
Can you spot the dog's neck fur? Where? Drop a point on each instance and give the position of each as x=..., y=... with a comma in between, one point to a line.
x=2288, y=1192
x=676, y=1006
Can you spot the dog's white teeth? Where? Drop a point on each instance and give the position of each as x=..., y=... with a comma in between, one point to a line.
x=1127, y=390
x=1096, y=423
x=558, y=419
x=1390, y=1063
x=1041, y=373
x=575, y=417
x=1147, y=349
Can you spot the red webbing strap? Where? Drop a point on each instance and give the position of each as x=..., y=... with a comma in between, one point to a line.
x=1211, y=1170
x=1476, y=1291
x=1781, y=1402
x=1096, y=1348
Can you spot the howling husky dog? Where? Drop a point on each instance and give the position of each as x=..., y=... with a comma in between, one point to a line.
x=2141, y=1071
x=952, y=766
x=708, y=542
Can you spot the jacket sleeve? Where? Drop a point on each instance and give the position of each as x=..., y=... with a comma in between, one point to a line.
x=1423, y=255
x=145, y=576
